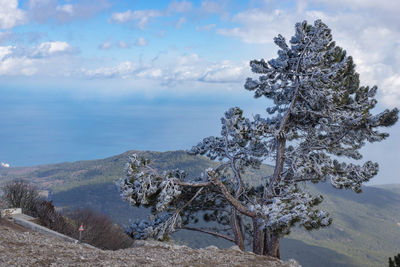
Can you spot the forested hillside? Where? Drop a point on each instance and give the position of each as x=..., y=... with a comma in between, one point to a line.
x=364, y=232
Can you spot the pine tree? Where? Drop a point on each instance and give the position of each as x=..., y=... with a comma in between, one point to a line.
x=320, y=116
x=395, y=262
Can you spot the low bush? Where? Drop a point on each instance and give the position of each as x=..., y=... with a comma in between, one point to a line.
x=20, y=194
x=100, y=231
x=49, y=217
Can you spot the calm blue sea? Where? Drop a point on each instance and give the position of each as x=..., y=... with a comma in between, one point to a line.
x=43, y=126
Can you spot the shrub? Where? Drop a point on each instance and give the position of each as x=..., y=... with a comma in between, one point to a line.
x=52, y=219
x=99, y=231
x=20, y=194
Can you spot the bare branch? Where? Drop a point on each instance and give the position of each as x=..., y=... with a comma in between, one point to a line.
x=231, y=199
x=210, y=233
x=204, y=184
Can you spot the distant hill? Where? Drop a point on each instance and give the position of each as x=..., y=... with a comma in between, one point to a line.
x=391, y=187
x=365, y=230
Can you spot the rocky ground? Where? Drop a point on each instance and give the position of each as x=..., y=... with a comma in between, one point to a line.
x=20, y=247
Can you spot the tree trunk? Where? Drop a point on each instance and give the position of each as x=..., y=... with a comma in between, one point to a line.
x=258, y=238
x=237, y=229
x=271, y=245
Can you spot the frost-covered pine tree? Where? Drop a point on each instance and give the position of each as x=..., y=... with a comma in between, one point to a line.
x=320, y=117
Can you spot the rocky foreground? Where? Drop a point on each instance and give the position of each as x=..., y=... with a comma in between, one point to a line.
x=20, y=247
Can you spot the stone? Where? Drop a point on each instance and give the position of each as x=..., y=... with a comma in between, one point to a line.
x=9, y=212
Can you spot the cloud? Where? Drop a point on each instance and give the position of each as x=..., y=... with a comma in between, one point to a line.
x=180, y=22
x=226, y=71
x=391, y=88
x=356, y=5
x=122, y=44
x=162, y=33
x=141, y=42
x=105, y=46
x=11, y=64
x=48, y=49
x=206, y=27
x=47, y=58
x=168, y=69
x=208, y=7
x=10, y=14
x=123, y=70
x=179, y=7
x=43, y=11
x=141, y=17
x=371, y=37
x=259, y=26
x=68, y=9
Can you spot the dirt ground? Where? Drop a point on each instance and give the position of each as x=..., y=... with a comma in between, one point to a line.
x=21, y=247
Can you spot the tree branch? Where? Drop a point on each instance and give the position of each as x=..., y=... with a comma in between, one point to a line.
x=190, y=201
x=209, y=232
x=203, y=184
x=231, y=199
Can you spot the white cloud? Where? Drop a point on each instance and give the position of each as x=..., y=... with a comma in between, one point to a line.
x=162, y=33
x=122, y=44
x=141, y=17
x=179, y=7
x=259, y=26
x=226, y=71
x=206, y=27
x=208, y=7
x=10, y=14
x=383, y=5
x=105, y=46
x=15, y=65
x=68, y=8
x=211, y=7
x=141, y=42
x=123, y=70
x=180, y=22
x=172, y=69
x=5, y=51
x=49, y=58
x=371, y=37
x=150, y=73
x=43, y=11
x=391, y=90
x=47, y=49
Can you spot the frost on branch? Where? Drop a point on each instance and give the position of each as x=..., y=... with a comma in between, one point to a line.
x=160, y=227
x=290, y=207
x=143, y=185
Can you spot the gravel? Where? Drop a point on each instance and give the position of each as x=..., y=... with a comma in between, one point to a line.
x=20, y=247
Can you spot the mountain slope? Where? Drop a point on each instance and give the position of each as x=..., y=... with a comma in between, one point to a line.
x=364, y=232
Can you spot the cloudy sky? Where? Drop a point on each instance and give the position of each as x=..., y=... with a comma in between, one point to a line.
x=90, y=79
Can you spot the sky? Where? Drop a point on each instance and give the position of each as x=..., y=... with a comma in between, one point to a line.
x=88, y=79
